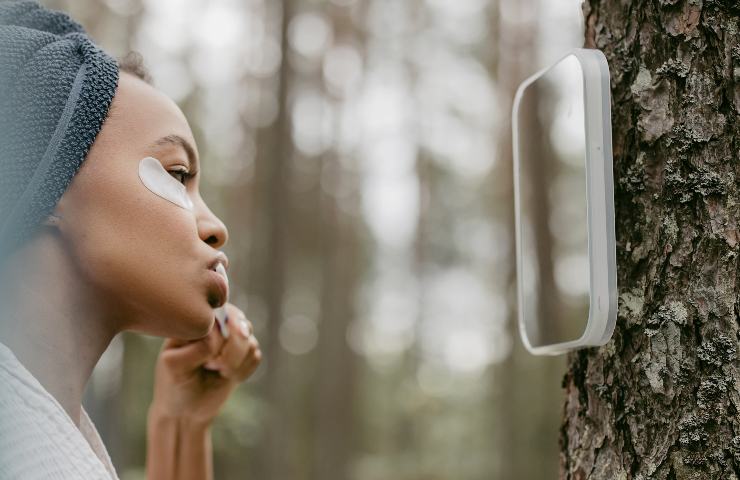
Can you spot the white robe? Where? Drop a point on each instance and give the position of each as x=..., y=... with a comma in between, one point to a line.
x=38, y=439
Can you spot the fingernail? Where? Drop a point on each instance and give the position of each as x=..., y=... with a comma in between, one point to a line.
x=244, y=328
x=222, y=319
x=212, y=365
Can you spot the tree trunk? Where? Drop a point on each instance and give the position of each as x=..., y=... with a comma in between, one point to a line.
x=269, y=259
x=522, y=434
x=335, y=384
x=661, y=399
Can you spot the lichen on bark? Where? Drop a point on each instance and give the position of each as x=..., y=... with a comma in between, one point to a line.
x=661, y=399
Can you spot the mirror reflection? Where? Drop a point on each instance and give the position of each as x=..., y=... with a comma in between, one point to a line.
x=553, y=196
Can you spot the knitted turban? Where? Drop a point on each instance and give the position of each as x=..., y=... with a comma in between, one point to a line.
x=56, y=87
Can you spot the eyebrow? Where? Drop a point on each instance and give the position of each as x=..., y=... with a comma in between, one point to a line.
x=178, y=141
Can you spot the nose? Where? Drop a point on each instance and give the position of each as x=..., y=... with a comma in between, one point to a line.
x=210, y=228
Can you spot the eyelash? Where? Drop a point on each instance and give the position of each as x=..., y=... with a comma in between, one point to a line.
x=186, y=176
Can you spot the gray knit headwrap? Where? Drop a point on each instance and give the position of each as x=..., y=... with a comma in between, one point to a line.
x=56, y=87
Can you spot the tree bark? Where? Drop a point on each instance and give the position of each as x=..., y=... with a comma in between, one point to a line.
x=661, y=399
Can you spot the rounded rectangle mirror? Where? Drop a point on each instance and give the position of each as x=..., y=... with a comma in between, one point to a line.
x=564, y=204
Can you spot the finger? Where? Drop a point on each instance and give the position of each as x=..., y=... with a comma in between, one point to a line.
x=237, y=318
x=233, y=318
x=251, y=362
x=230, y=361
x=245, y=326
x=237, y=348
x=192, y=355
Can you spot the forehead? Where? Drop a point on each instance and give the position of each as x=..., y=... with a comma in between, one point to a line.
x=140, y=115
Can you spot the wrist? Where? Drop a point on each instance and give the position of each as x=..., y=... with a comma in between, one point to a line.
x=178, y=446
x=159, y=418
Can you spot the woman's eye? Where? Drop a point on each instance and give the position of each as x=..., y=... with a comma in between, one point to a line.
x=179, y=175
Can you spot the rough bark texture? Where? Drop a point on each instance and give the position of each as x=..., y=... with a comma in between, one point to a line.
x=661, y=400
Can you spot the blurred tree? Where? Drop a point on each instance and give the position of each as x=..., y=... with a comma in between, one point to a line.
x=521, y=380
x=339, y=247
x=661, y=399
x=274, y=150
x=334, y=379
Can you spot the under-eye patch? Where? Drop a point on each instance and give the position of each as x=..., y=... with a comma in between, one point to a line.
x=158, y=181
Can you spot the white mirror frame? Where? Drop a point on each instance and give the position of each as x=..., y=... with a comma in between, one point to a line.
x=602, y=313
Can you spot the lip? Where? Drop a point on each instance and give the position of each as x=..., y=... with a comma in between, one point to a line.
x=220, y=258
x=223, y=288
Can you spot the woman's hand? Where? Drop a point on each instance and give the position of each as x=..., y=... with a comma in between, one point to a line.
x=184, y=388
x=188, y=396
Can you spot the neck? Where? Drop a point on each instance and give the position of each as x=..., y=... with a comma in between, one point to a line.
x=51, y=320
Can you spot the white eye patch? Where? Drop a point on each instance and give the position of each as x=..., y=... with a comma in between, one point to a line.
x=158, y=181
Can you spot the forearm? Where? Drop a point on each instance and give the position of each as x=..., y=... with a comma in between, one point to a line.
x=178, y=448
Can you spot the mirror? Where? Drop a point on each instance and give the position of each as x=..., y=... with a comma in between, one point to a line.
x=561, y=169
x=553, y=206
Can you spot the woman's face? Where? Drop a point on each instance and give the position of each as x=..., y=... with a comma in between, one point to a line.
x=148, y=260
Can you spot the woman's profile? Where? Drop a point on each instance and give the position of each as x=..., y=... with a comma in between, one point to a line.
x=103, y=230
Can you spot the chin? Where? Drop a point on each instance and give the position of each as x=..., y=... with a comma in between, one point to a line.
x=188, y=322
x=201, y=326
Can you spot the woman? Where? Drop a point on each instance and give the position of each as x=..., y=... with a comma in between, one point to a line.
x=94, y=241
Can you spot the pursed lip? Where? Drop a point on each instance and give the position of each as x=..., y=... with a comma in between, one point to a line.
x=223, y=288
x=218, y=266
x=220, y=258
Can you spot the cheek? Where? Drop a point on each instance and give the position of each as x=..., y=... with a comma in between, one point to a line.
x=139, y=253
x=133, y=243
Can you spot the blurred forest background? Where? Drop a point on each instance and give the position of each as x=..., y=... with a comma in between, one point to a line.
x=360, y=153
